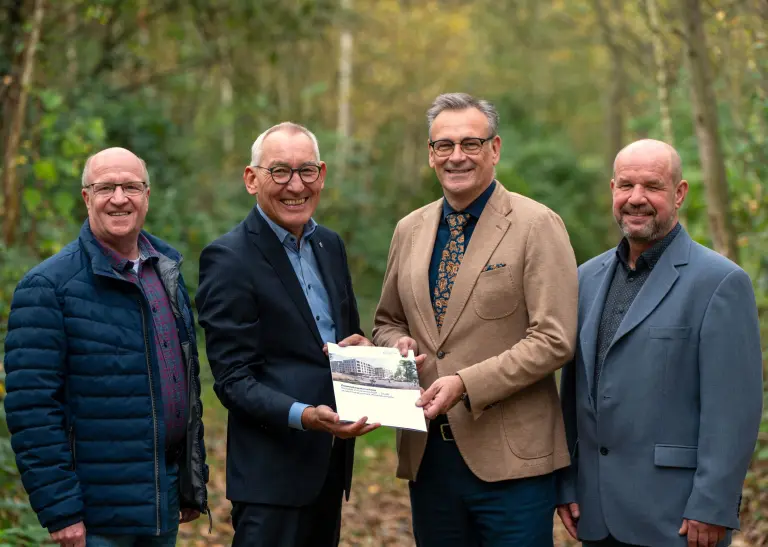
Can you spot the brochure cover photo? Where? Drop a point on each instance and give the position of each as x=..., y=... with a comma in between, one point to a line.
x=378, y=383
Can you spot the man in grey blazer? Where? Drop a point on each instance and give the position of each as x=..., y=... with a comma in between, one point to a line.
x=662, y=401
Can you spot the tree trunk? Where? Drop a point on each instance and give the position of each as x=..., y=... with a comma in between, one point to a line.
x=344, y=128
x=662, y=84
x=10, y=183
x=617, y=85
x=707, y=132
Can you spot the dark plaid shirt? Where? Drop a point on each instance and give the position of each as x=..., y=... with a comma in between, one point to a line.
x=625, y=286
x=173, y=382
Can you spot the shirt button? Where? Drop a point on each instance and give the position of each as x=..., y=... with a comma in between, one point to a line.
x=154, y=309
x=604, y=451
x=309, y=287
x=440, y=354
x=317, y=318
x=165, y=343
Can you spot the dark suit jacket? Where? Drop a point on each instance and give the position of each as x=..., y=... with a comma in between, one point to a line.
x=266, y=353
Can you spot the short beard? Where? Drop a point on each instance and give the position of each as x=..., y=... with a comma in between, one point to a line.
x=653, y=231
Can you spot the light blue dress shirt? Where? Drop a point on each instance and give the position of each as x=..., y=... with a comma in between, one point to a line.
x=304, y=263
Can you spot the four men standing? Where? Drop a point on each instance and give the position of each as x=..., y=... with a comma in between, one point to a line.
x=661, y=390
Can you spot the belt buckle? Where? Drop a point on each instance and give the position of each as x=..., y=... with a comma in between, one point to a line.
x=443, y=430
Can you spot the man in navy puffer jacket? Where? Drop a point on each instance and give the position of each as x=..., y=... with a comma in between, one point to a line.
x=103, y=399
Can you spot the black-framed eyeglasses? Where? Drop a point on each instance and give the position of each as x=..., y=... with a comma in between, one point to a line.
x=107, y=189
x=282, y=174
x=470, y=146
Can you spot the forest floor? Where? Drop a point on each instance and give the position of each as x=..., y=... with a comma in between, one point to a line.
x=378, y=512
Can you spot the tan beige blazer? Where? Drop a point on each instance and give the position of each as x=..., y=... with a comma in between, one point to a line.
x=505, y=333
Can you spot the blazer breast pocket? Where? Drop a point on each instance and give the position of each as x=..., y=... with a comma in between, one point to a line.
x=496, y=294
x=491, y=267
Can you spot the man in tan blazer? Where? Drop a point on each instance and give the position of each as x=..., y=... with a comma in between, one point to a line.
x=482, y=285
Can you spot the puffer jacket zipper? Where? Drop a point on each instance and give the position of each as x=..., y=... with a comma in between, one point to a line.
x=154, y=415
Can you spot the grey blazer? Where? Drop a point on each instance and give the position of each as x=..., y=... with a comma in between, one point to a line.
x=679, y=401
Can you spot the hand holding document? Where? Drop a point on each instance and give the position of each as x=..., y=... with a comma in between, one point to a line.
x=378, y=383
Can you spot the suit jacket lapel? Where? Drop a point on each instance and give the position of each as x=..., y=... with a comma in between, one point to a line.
x=422, y=243
x=489, y=231
x=320, y=249
x=588, y=333
x=272, y=249
x=657, y=285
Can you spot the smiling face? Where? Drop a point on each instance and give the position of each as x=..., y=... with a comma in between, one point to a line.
x=289, y=205
x=464, y=176
x=647, y=191
x=116, y=220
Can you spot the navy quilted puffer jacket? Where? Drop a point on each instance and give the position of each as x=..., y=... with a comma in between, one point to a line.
x=83, y=397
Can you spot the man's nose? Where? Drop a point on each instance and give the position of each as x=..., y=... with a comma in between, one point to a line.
x=295, y=184
x=118, y=196
x=637, y=197
x=457, y=155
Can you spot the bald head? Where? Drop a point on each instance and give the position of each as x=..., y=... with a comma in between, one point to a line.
x=110, y=161
x=650, y=153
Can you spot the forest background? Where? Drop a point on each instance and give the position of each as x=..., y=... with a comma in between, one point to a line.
x=188, y=85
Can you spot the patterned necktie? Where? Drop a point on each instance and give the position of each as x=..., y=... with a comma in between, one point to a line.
x=450, y=260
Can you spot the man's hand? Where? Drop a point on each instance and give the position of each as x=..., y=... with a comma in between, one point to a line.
x=569, y=514
x=323, y=418
x=405, y=343
x=353, y=340
x=441, y=396
x=701, y=534
x=188, y=515
x=71, y=536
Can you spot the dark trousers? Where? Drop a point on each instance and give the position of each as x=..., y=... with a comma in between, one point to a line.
x=453, y=508
x=315, y=525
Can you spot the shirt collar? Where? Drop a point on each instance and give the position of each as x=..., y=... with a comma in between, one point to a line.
x=121, y=264
x=650, y=256
x=284, y=235
x=475, y=208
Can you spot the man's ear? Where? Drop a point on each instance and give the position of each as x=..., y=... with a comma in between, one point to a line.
x=251, y=180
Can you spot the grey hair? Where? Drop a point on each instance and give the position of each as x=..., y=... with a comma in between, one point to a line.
x=84, y=179
x=258, y=145
x=462, y=101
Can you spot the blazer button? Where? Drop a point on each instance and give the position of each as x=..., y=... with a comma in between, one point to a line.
x=440, y=354
x=604, y=451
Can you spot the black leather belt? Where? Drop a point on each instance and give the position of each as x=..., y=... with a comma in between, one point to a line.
x=441, y=424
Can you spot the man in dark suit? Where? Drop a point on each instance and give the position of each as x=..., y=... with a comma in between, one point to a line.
x=662, y=402
x=272, y=293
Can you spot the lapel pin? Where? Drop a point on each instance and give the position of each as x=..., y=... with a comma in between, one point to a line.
x=320, y=243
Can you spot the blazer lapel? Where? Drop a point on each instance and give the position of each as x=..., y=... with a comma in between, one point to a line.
x=272, y=249
x=490, y=229
x=657, y=285
x=320, y=249
x=422, y=244
x=588, y=333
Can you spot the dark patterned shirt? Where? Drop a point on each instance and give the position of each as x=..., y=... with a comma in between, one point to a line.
x=625, y=286
x=173, y=382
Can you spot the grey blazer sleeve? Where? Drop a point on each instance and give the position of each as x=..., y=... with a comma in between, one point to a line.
x=566, y=478
x=730, y=372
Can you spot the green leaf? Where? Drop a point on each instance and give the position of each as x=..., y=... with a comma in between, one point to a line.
x=45, y=170
x=32, y=199
x=50, y=99
x=64, y=202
